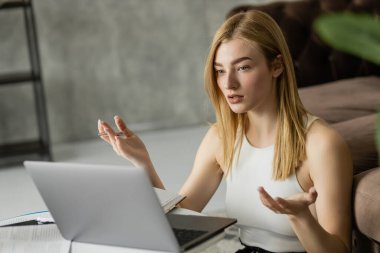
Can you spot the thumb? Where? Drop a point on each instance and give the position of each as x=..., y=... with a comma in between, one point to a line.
x=312, y=195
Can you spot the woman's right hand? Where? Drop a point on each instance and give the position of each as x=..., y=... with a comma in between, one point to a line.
x=127, y=145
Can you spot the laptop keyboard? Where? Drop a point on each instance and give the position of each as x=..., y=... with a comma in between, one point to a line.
x=184, y=235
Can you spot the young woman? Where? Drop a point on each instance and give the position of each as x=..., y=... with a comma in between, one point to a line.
x=288, y=174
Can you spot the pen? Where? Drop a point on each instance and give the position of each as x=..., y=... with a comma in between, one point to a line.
x=105, y=134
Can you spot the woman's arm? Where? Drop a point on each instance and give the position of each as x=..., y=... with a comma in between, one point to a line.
x=206, y=174
x=330, y=168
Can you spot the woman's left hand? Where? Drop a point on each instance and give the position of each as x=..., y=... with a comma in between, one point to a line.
x=294, y=205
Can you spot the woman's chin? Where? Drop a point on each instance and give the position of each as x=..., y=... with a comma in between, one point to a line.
x=237, y=110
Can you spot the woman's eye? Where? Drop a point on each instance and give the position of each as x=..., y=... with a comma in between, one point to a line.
x=244, y=67
x=219, y=71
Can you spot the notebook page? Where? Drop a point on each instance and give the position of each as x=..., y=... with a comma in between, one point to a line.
x=40, y=238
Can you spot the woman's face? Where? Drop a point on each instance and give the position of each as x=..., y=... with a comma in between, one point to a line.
x=243, y=75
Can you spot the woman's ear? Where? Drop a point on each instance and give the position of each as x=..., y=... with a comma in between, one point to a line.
x=277, y=66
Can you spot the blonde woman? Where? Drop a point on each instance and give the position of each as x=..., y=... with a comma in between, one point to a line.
x=288, y=174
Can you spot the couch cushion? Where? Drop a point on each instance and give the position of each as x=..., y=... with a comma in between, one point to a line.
x=343, y=100
x=366, y=203
x=359, y=134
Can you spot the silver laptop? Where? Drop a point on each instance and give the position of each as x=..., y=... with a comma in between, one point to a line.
x=116, y=205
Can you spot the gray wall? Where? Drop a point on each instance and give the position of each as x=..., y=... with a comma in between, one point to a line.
x=140, y=59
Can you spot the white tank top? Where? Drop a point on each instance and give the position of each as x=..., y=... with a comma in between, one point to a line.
x=258, y=225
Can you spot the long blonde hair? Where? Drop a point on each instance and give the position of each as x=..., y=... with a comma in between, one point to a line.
x=258, y=27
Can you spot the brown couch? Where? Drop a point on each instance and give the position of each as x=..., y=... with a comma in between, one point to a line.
x=349, y=106
x=345, y=91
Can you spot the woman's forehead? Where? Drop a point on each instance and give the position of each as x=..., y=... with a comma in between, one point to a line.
x=234, y=48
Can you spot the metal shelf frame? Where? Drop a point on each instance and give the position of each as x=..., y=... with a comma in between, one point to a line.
x=17, y=152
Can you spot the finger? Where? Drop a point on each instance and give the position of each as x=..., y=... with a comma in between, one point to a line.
x=268, y=201
x=100, y=128
x=313, y=191
x=284, y=204
x=122, y=126
x=101, y=132
x=111, y=136
x=265, y=194
x=312, y=195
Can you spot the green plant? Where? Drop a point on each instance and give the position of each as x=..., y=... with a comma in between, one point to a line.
x=357, y=34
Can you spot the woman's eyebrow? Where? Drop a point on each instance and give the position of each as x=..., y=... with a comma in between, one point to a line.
x=240, y=59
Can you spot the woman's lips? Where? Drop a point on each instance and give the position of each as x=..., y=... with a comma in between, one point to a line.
x=234, y=99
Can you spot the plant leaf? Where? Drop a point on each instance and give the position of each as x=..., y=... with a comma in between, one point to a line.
x=357, y=34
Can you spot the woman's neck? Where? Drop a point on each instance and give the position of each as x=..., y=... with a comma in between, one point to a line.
x=261, y=128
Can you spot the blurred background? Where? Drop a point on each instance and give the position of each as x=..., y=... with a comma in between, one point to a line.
x=142, y=60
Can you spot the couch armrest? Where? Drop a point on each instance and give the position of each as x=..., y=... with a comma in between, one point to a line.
x=366, y=203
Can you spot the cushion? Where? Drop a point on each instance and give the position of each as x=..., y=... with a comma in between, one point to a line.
x=359, y=134
x=343, y=100
x=366, y=203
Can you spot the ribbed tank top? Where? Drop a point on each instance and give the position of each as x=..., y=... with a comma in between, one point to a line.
x=258, y=225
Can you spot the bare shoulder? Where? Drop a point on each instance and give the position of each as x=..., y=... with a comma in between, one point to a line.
x=321, y=136
x=212, y=143
x=327, y=148
x=212, y=136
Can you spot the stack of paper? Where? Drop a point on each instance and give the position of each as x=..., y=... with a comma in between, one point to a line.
x=168, y=199
x=38, y=238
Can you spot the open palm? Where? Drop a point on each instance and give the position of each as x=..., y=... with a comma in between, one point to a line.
x=293, y=205
x=125, y=143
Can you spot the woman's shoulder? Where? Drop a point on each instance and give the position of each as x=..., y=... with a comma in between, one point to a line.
x=212, y=142
x=325, y=143
x=212, y=137
x=213, y=133
x=320, y=133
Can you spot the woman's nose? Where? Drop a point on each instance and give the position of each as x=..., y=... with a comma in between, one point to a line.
x=231, y=83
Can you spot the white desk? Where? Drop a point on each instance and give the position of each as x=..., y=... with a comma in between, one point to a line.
x=45, y=238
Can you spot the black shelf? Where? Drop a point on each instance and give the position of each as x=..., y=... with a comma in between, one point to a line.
x=38, y=149
x=13, y=4
x=17, y=77
x=22, y=148
x=15, y=153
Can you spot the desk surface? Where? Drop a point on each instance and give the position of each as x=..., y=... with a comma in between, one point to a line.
x=43, y=237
